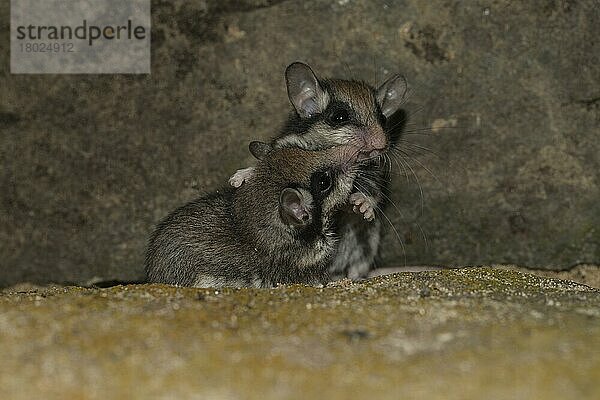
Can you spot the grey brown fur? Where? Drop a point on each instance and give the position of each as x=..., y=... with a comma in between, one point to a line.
x=367, y=131
x=239, y=238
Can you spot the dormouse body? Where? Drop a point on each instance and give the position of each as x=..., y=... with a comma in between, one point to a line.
x=348, y=114
x=276, y=229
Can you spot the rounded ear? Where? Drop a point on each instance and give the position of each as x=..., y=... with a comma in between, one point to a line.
x=391, y=94
x=259, y=149
x=305, y=93
x=293, y=209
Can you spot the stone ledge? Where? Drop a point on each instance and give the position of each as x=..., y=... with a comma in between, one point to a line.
x=451, y=334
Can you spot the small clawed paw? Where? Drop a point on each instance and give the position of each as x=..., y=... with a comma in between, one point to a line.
x=364, y=205
x=240, y=176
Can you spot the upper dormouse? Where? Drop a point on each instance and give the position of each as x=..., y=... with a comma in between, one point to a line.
x=334, y=112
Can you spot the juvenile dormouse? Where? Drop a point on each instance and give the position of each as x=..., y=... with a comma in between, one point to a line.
x=275, y=229
x=335, y=113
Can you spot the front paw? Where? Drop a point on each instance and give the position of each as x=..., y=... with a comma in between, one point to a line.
x=363, y=204
x=240, y=176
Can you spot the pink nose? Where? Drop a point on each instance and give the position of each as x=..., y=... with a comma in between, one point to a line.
x=375, y=139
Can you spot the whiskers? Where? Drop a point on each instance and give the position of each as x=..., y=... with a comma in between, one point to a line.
x=403, y=158
x=379, y=210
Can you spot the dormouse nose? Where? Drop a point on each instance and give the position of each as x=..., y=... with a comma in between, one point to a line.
x=374, y=138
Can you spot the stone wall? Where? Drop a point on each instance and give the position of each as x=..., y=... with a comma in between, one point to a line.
x=503, y=135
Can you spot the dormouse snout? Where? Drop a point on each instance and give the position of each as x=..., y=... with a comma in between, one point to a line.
x=372, y=141
x=375, y=138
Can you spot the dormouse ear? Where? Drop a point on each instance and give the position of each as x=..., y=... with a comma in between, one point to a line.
x=391, y=94
x=305, y=93
x=259, y=149
x=293, y=208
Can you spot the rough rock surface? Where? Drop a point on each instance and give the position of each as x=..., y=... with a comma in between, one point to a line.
x=509, y=89
x=459, y=334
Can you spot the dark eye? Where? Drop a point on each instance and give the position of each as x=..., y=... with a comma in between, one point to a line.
x=338, y=117
x=324, y=182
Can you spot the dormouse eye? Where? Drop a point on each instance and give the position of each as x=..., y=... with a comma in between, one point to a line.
x=338, y=117
x=323, y=181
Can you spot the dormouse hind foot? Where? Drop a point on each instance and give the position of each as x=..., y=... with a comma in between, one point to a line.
x=240, y=176
x=363, y=204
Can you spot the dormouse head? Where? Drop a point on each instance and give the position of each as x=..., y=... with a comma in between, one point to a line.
x=333, y=112
x=310, y=185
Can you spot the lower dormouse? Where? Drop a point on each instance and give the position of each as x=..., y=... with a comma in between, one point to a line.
x=276, y=229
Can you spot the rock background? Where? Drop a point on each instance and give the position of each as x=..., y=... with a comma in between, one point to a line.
x=91, y=163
